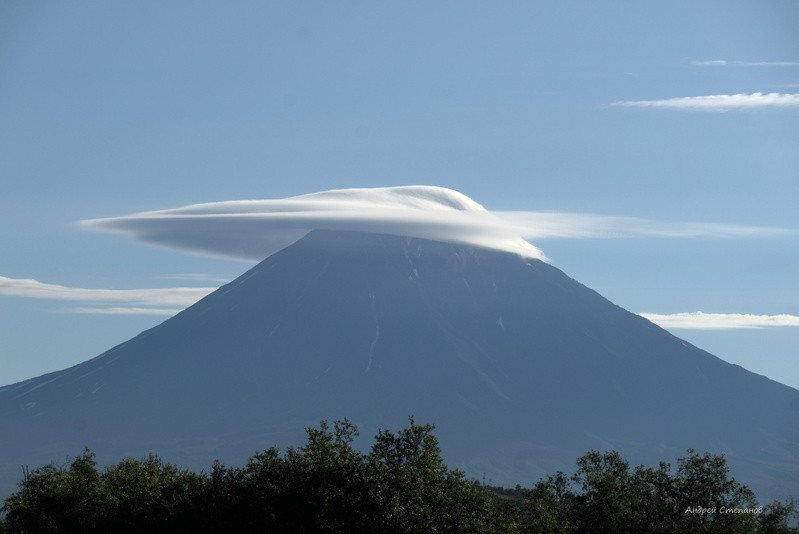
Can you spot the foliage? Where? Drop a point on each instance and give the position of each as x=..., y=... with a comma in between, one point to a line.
x=128, y=497
x=401, y=485
x=604, y=495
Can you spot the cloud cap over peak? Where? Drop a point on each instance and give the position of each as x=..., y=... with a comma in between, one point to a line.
x=255, y=229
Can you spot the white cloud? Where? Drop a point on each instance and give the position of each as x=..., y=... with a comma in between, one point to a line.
x=726, y=63
x=158, y=301
x=718, y=102
x=711, y=63
x=719, y=321
x=254, y=229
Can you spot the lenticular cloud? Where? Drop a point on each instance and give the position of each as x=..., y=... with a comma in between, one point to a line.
x=255, y=229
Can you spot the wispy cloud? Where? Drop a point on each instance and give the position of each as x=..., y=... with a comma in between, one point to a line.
x=127, y=310
x=718, y=102
x=157, y=301
x=727, y=63
x=719, y=321
x=254, y=229
x=542, y=225
x=197, y=277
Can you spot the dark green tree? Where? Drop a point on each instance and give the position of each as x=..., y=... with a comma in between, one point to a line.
x=549, y=506
x=56, y=499
x=702, y=483
x=321, y=487
x=779, y=517
x=148, y=494
x=605, y=496
x=417, y=492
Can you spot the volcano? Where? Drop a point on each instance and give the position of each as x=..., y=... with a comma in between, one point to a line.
x=521, y=368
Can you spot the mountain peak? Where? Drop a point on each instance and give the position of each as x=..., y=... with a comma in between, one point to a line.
x=521, y=368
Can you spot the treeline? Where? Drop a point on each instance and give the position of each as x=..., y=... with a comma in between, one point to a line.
x=401, y=485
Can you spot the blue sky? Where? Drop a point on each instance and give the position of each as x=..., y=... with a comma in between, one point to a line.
x=658, y=113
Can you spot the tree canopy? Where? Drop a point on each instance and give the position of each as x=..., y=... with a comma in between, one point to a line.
x=402, y=485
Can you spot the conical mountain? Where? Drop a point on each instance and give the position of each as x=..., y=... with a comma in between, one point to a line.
x=521, y=368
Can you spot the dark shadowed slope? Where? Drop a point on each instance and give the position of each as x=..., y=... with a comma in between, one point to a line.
x=521, y=368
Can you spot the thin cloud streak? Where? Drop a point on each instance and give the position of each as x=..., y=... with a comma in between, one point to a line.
x=168, y=312
x=197, y=277
x=718, y=102
x=720, y=321
x=173, y=297
x=542, y=225
x=727, y=63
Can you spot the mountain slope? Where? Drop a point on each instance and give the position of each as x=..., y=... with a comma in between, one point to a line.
x=521, y=368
